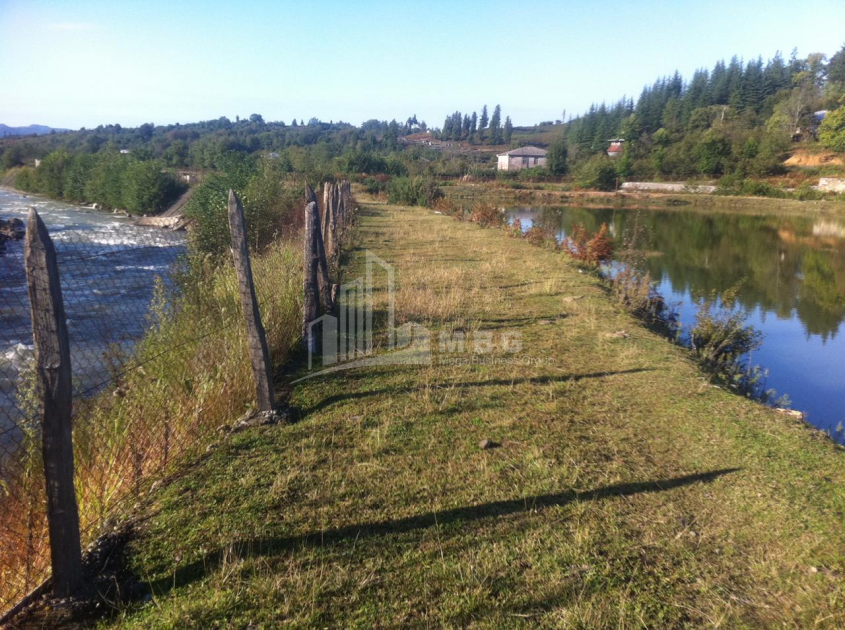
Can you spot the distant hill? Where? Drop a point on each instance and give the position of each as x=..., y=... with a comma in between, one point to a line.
x=38, y=130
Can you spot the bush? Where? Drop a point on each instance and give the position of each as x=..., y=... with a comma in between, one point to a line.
x=375, y=185
x=598, y=172
x=591, y=250
x=271, y=207
x=734, y=185
x=26, y=180
x=722, y=341
x=542, y=237
x=146, y=188
x=487, y=215
x=832, y=130
x=110, y=179
x=413, y=191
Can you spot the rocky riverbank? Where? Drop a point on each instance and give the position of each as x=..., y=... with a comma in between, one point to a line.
x=11, y=230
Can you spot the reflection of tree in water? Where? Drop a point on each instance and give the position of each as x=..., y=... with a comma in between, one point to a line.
x=787, y=267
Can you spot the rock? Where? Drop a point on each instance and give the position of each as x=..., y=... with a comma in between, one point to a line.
x=11, y=230
x=619, y=334
x=485, y=445
x=794, y=413
x=279, y=415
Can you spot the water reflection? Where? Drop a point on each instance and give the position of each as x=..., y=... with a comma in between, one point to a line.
x=793, y=274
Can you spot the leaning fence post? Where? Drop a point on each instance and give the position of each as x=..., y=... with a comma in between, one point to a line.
x=258, y=352
x=310, y=260
x=52, y=357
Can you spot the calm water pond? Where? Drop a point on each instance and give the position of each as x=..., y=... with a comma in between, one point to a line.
x=792, y=270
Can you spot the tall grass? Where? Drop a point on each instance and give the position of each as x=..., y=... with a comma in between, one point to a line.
x=188, y=376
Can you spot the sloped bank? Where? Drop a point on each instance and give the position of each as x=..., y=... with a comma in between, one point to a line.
x=624, y=491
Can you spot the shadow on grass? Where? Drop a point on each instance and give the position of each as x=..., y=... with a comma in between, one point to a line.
x=535, y=380
x=263, y=547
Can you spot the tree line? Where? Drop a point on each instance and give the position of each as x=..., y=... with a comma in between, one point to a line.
x=737, y=118
x=111, y=179
x=477, y=129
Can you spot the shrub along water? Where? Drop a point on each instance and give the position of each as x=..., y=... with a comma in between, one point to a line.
x=413, y=191
x=111, y=179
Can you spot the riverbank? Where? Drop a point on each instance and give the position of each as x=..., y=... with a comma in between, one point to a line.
x=616, y=486
x=642, y=200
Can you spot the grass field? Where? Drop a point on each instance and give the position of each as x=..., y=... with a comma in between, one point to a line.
x=626, y=491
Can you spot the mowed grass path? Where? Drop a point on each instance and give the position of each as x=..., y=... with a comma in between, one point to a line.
x=627, y=491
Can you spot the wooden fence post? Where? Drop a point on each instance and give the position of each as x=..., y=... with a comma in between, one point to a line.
x=323, y=268
x=329, y=238
x=258, y=352
x=310, y=261
x=52, y=357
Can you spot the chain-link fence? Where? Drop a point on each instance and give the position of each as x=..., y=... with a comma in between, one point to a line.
x=159, y=358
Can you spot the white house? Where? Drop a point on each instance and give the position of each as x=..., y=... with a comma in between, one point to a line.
x=523, y=157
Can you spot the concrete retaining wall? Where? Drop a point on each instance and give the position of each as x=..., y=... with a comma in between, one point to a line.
x=832, y=184
x=667, y=188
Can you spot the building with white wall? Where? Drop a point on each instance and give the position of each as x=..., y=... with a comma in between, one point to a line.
x=523, y=157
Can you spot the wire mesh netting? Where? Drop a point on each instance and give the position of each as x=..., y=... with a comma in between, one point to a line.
x=159, y=361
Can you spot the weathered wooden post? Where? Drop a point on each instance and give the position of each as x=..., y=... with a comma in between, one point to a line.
x=311, y=263
x=323, y=269
x=52, y=359
x=311, y=196
x=258, y=353
x=329, y=239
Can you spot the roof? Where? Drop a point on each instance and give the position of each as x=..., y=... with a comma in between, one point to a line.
x=526, y=152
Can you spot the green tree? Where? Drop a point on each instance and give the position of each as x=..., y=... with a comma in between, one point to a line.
x=146, y=188
x=13, y=156
x=508, y=130
x=482, y=123
x=51, y=173
x=598, y=172
x=711, y=152
x=556, y=156
x=832, y=130
x=496, y=126
x=836, y=67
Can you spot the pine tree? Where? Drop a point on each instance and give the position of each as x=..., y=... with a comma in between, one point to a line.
x=508, y=130
x=473, y=124
x=836, y=67
x=496, y=126
x=482, y=123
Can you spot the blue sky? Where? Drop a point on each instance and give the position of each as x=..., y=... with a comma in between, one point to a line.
x=83, y=63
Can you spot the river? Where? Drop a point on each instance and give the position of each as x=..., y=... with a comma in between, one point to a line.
x=792, y=275
x=107, y=268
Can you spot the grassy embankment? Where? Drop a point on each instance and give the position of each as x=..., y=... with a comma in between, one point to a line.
x=190, y=374
x=627, y=491
x=555, y=194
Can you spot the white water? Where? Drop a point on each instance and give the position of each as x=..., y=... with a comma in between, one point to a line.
x=107, y=269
